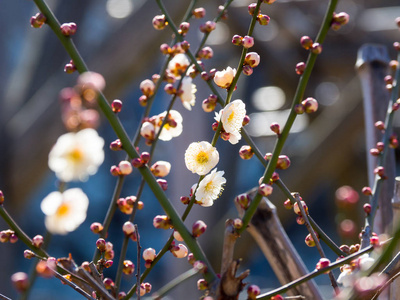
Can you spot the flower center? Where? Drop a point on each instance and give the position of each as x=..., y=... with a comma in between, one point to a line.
x=76, y=155
x=62, y=210
x=209, y=186
x=202, y=157
x=231, y=116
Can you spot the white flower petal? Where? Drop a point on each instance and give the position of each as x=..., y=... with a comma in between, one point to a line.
x=210, y=188
x=201, y=157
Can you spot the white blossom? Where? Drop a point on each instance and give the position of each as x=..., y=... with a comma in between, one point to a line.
x=64, y=211
x=172, y=128
x=201, y=157
x=188, y=95
x=210, y=188
x=75, y=156
x=178, y=64
x=225, y=77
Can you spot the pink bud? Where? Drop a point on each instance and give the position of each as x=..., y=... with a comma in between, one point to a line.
x=246, y=152
x=252, y=59
x=310, y=105
x=96, y=227
x=316, y=48
x=248, y=41
x=283, y=162
x=116, y=106
x=237, y=40
x=181, y=251
x=253, y=291
x=162, y=222
x=125, y=167
x=159, y=22
x=252, y=8
x=243, y=200
x=37, y=241
x=163, y=184
x=300, y=67
x=323, y=263
x=20, y=281
x=199, y=13
x=128, y=268
x=128, y=228
x=263, y=20
x=101, y=244
x=108, y=283
x=265, y=189
x=198, y=228
x=306, y=42
x=247, y=70
x=28, y=254
x=160, y=168
x=297, y=209
x=149, y=254
x=147, y=87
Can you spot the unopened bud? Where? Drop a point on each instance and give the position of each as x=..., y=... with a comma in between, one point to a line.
x=116, y=106
x=128, y=228
x=128, y=268
x=243, y=200
x=246, y=152
x=265, y=189
x=96, y=227
x=101, y=244
x=253, y=291
x=198, y=228
x=37, y=241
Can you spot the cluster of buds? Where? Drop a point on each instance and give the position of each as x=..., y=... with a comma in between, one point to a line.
x=246, y=152
x=145, y=288
x=253, y=291
x=116, y=145
x=179, y=251
x=162, y=222
x=261, y=18
x=109, y=253
x=159, y=22
x=147, y=87
x=246, y=41
x=307, y=43
x=208, y=26
x=309, y=240
x=70, y=67
x=309, y=105
x=205, y=53
x=142, y=160
x=8, y=236
x=46, y=268
x=180, y=47
x=198, y=228
x=68, y=29
x=252, y=60
x=76, y=113
x=210, y=103
x=124, y=168
x=38, y=20
x=350, y=249
x=339, y=20
x=149, y=255
x=243, y=200
x=104, y=264
x=127, y=204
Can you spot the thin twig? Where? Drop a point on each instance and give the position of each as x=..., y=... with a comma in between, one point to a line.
x=73, y=285
x=139, y=248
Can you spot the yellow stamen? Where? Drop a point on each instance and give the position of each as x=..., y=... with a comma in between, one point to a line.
x=76, y=155
x=202, y=157
x=231, y=116
x=62, y=210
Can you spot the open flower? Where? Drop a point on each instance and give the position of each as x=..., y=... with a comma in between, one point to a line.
x=75, y=156
x=225, y=77
x=64, y=211
x=188, y=95
x=210, y=188
x=232, y=119
x=201, y=157
x=178, y=64
x=172, y=128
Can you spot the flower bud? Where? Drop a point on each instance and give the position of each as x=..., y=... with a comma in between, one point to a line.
x=253, y=291
x=297, y=210
x=68, y=29
x=20, y=281
x=128, y=268
x=252, y=8
x=206, y=53
x=374, y=241
x=37, y=241
x=147, y=87
x=185, y=200
x=147, y=130
x=143, y=100
x=323, y=263
x=300, y=220
x=178, y=236
x=5, y=236
x=198, y=228
x=38, y=20
x=101, y=244
x=248, y=42
x=108, y=264
x=299, y=109
x=159, y=22
x=380, y=125
x=116, y=145
x=225, y=77
x=85, y=266
x=202, y=284
x=149, y=254
x=247, y=70
x=263, y=20
x=283, y=162
x=180, y=252
x=288, y=204
x=69, y=68
x=109, y=246
x=380, y=171
x=237, y=40
x=243, y=200
x=184, y=28
x=265, y=189
x=246, y=120
x=341, y=18
x=191, y=259
x=199, y=13
x=108, y=283
x=1, y=198
x=96, y=227
x=306, y=42
x=309, y=240
x=116, y=106
x=310, y=105
x=300, y=67
x=128, y=228
x=28, y=254
x=125, y=167
x=252, y=59
x=114, y=170
x=275, y=128
x=207, y=27
x=316, y=48
x=162, y=222
x=163, y=184
x=121, y=295
x=246, y=152
x=374, y=152
x=208, y=106
x=277, y=297
x=160, y=168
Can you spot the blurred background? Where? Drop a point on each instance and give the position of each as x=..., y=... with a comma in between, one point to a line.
x=116, y=39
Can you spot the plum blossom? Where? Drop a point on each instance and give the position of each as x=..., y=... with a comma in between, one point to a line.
x=188, y=95
x=64, y=211
x=232, y=119
x=201, y=157
x=75, y=156
x=172, y=128
x=225, y=77
x=210, y=188
x=178, y=65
